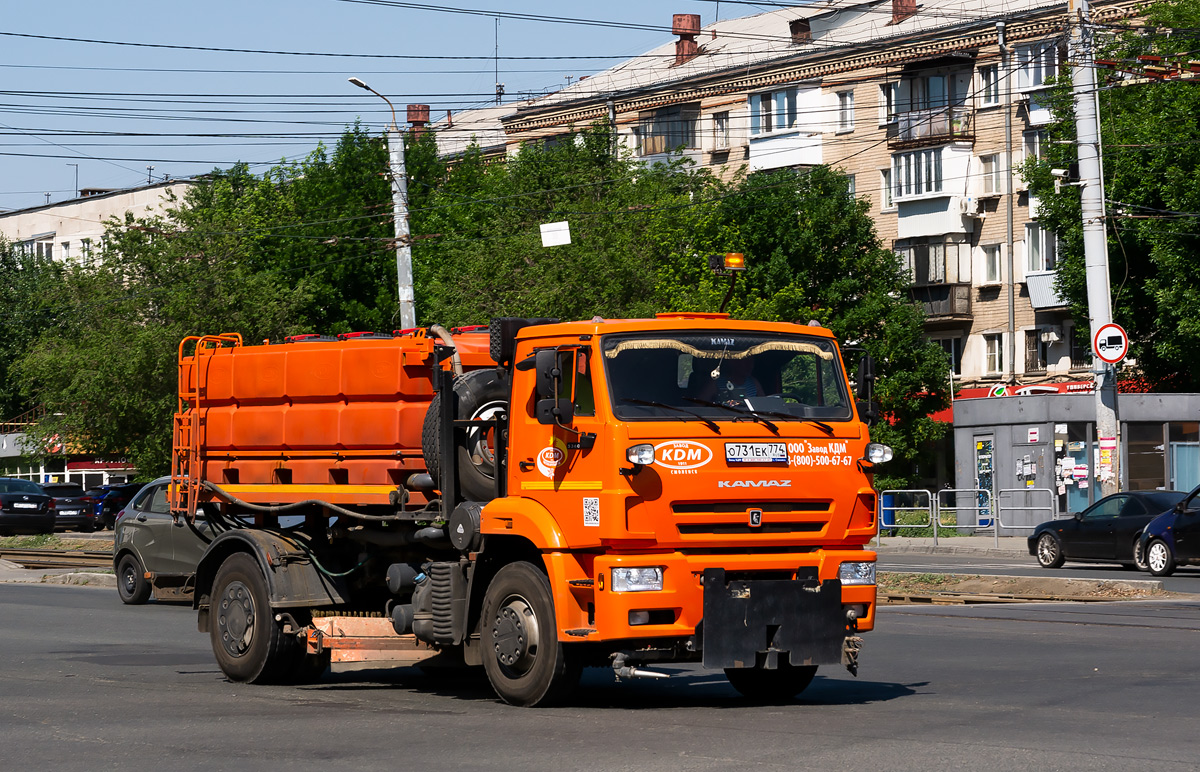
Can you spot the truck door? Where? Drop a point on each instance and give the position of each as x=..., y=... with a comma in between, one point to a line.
x=562, y=466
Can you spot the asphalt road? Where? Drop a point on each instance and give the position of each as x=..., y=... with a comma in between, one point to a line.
x=1185, y=579
x=87, y=684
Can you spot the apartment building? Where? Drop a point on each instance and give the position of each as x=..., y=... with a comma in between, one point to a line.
x=920, y=107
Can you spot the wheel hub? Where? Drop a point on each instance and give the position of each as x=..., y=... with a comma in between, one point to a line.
x=235, y=619
x=130, y=579
x=1158, y=556
x=515, y=633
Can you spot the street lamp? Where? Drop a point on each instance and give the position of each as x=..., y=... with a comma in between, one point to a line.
x=404, y=275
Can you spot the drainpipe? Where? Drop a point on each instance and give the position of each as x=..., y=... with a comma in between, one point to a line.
x=1006, y=77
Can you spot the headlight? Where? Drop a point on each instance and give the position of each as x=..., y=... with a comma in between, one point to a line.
x=637, y=579
x=858, y=572
x=640, y=454
x=877, y=452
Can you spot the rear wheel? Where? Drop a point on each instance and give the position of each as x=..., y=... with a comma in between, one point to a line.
x=482, y=394
x=779, y=685
x=131, y=581
x=1159, y=558
x=1049, y=551
x=1139, y=555
x=249, y=645
x=522, y=656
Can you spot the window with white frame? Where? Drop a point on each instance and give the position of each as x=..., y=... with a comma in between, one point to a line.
x=885, y=189
x=41, y=247
x=993, y=353
x=917, y=173
x=773, y=111
x=845, y=110
x=64, y=249
x=1032, y=144
x=850, y=186
x=935, y=259
x=889, y=94
x=720, y=125
x=668, y=129
x=989, y=85
x=85, y=248
x=993, y=182
x=1036, y=63
x=1039, y=248
x=991, y=264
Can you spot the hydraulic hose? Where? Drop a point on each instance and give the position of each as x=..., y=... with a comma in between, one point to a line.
x=448, y=339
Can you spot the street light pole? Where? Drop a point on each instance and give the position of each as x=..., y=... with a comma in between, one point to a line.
x=404, y=274
x=76, y=179
x=1095, y=241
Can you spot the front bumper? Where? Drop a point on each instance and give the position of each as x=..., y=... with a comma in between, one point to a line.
x=27, y=522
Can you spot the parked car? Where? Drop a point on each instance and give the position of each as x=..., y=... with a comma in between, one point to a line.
x=151, y=554
x=24, y=508
x=112, y=500
x=1106, y=532
x=1173, y=538
x=72, y=507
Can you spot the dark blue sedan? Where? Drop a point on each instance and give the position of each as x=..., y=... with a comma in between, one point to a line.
x=1106, y=532
x=1173, y=538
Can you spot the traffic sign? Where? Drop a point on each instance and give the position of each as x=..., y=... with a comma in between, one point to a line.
x=1110, y=343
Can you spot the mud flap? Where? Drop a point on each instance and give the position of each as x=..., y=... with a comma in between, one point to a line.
x=764, y=622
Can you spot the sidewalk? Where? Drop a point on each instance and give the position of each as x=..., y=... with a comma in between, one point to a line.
x=11, y=573
x=989, y=546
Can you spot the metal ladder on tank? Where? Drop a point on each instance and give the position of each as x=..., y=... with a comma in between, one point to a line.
x=185, y=434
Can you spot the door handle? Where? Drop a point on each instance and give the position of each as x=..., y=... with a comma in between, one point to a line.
x=141, y=518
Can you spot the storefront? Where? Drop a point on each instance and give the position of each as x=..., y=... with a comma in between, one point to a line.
x=1046, y=445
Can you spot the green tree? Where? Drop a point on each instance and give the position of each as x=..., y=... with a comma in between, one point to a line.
x=1151, y=151
x=29, y=296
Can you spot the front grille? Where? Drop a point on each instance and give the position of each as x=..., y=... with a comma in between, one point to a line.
x=744, y=529
x=697, y=519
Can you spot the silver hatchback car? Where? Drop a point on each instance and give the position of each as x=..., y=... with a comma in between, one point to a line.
x=151, y=554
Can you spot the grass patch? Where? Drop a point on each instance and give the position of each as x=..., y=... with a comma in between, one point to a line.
x=40, y=541
x=894, y=582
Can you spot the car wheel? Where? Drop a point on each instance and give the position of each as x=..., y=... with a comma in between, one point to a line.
x=1049, y=551
x=87, y=528
x=249, y=645
x=771, y=686
x=1159, y=558
x=131, y=581
x=523, y=658
x=1139, y=555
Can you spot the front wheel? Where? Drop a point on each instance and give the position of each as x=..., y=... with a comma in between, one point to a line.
x=1159, y=558
x=131, y=582
x=1049, y=551
x=522, y=656
x=248, y=644
x=771, y=686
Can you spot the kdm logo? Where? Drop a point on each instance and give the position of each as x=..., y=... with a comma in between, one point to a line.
x=754, y=484
x=682, y=454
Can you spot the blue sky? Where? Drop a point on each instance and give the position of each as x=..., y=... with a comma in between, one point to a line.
x=53, y=90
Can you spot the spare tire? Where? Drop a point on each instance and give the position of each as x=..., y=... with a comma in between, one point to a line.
x=481, y=394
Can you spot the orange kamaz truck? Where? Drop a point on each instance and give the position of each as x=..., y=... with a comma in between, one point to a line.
x=534, y=497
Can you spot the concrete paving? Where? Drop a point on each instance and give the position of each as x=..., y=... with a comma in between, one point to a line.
x=987, y=546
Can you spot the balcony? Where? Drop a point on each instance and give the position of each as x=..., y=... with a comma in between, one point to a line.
x=931, y=127
x=944, y=302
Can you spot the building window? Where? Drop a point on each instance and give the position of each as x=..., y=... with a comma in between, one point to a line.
x=989, y=85
x=1081, y=355
x=888, y=98
x=935, y=260
x=85, y=249
x=953, y=348
x=845, y=110
x=668, y=129
x=885, y=189
x=917, y=173
x=65, y=250
x=773, y=111
x=1035, y=64
x=1033, y=141
x=850, y=188
x=1039, y=248
x=1144, y=457
x=991, y=264
x=720, y=122
x=994, y=354
x=992, y=180
x=1035, y=351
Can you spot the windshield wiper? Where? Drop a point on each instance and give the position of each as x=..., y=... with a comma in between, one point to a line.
x=751, y=414
x=773, y=413
x=651, y=403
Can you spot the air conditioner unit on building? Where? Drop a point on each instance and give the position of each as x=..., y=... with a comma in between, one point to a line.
x=1052, y=335
x=967, y=205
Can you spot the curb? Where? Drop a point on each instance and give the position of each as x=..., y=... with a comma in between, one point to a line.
x=82, y=578
x=925, y=550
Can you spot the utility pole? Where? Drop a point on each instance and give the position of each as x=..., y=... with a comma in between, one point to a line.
x=1004, y=75
x=1095, y=240
x=404, y=275
x=76, y=179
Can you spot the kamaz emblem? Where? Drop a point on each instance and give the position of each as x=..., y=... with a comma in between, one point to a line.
x=755, y=518
x=754, y=483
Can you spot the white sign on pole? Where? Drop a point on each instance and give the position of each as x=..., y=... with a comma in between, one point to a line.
x=556, y=234
x=1110, y=343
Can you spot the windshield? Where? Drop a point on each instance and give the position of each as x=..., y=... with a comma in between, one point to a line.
x=722, y=375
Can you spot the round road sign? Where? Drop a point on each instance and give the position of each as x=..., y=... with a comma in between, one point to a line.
x=1110, y=343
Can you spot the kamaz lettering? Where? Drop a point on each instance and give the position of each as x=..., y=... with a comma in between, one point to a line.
x=754, y=483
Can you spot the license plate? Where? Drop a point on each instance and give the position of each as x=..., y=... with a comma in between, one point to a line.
x=68, y=512
x=23, y=505
x=756, y=453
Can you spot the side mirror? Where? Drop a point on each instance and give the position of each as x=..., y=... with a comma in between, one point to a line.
x=865, y=387
x=548, y=373
x=555, y=411
x=1077, y=515
x=1179, y=508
